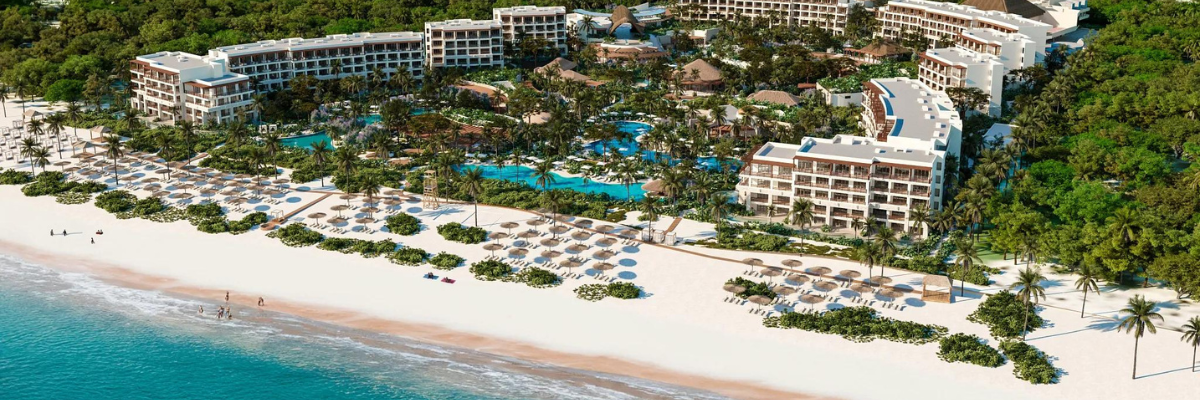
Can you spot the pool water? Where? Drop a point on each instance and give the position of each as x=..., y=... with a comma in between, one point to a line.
x=306, y=141
x=526, y=175
x=630, y=147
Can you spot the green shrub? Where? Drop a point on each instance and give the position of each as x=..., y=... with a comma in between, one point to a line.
x=457, y=232
x=534, y=277
x=1003, y=313
x=624, y=290
x=410, y=256
x=752, y=287
x=72, y=198
x=296, y=235
x=858, y=324
x=592, y=291
x=52, y=183
x=341, y=245
x=445, y=261
x=490, y=270
x=961, y=347
x=403, y=224
x=116, y=201
x=15, y=177
x=171, y=214
x=147, y=206
x=1031, y=364
x=209, y=210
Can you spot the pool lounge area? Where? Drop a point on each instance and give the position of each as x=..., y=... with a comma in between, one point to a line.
x=630, y=147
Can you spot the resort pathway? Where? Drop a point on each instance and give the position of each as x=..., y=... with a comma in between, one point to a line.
x=276, y=222
x=674, y=224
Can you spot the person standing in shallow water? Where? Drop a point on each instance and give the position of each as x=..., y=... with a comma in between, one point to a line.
x=261, y=302
x=226, y=296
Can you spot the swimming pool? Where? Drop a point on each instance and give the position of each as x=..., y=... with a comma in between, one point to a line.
x=525, y=175
x=306, y=141
x=630, y=147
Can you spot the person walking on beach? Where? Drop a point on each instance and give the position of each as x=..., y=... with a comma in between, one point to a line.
x=226, y=296
x=64, y=232
x=261, y=302
x=93, y=240
x=51, y=232
x=229, y=313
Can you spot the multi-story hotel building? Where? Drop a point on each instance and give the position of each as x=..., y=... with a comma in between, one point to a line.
x=1014, y=50
x=943, y=22
x=958, y=67
x=174, y=86
x=826, y=14
x=272, y=63
x=548, y=23
x=898, y=167
x=464, y=43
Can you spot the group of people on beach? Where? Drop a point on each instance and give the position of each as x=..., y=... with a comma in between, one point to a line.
x=64, y=233
x=226, y=311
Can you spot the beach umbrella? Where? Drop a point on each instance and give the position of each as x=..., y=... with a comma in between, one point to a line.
x=128, y=178
x=492, y=247
x=604, y=254
x=550, y=242
x=150, y=180
x=581, y=235
x=821, y=271
x=208, y=192
x=339, y=208
x=551, y=253
x=792, y=263
x=347, y=197
x=811, y=299
x=527, y=234
x=282, y=181
x=569, y=263
x=797, y=279
x=602, y=267
x=628, y=234
x=605, y=229
x=152, y=187
x=558, y=229
x=535, y=222
x=607, y=241
x=760, y=300
x=182, y=195
x=62, y=164
x=576, y=248
x=369, y=210
x=583, y=223
x=70, y=169
x=271, y=192
x=784, y=290
x=364, y=221
x=160, y=193
x=890, y=294
x=849, y=273
x=393, y=192
x=861, y=288
x=237, y=200
x=771, y=272
x=518, y=251
x=752, y=262
x=735, y=289
x=185, y=187
x=336, y=220
x=497, y=235
x=562, y=218
x=825, y=286
x=316, y=215
x=880, y=280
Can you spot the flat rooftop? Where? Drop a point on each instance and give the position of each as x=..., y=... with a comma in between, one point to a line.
x=993, y=36
x=295, y=44
x=958, y=55
x=920, y=112
x=463, y=24
x=175, y=61
x=954, y=9
x=530, y=10
x=846, y=148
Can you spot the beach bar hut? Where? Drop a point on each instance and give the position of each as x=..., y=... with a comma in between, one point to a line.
x=931, y=289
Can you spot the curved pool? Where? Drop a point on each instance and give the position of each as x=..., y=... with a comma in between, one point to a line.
x=630, y=147
x=525, y=175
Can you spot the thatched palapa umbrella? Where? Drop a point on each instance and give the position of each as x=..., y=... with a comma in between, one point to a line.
x=509, y=225
x=527, y=234
x=811, y=299
x=752, y=262
x=604, y=254
x=576, y=248
x=550, y=242
x=820, y=271
x=497, y=235
x=602, y=267
x=849, y=273
x=792, y=263
x=760, y=300
x=735, y=289
x=771, y=272
x=492, y=247
x=517, y=252
x=606, y=241
x=797, y=279
x=551, y=253
x=316, y=215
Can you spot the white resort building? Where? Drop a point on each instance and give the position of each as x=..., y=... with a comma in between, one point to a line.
x=272, y=63
x=957, y=67
x=898, y=167
x=549, y=23
x=826, y=14
x=942, y=22
x=174, y=86
x=464, y=43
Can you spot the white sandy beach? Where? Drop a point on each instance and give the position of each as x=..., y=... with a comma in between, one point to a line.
x=681, y=332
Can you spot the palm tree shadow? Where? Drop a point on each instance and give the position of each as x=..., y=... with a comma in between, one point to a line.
x=1164, y=372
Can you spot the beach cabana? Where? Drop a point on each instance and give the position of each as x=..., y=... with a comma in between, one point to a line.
x=931, y=289
x=699, y=75
x=775, y=97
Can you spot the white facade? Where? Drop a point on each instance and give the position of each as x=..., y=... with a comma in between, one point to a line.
x=840, y=99
x=943, y=22
x=883, y=176
x=1014, y=50
x=957, y=67
x=549, y=23
x=272, y=63
x=826, y=14
x=464, y=43
x=178, y=86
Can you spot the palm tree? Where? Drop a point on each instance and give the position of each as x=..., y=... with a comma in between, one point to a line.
x=1140, y=320
x=187, y=132
x=471, y=182
x=886, y=239
x=1087, y=282
x=4, y=92
x=40, y=158
x=627, y=173
x=649, y=207
x=320, y=154
x=801, y=214
x=271, y=143
x=166, y=145
x=114, y=152
x=718, y=208
x=1029, y=282
x=857, y=226
x=55, y=124
x=28, y=147
x=919, y=215
x=869, y=253
x=966, y=255
x=370, y=186
x=1191, y=336
x=553, y=200
x=73, y=112
x=346, y=158
x=544, y=175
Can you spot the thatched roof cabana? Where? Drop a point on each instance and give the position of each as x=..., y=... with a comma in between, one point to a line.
x=620, y=16
x=562, y=64
x=776, y=97
x=930, y=286
x=700, y=75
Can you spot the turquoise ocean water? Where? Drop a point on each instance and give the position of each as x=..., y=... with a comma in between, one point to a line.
x=70, y=336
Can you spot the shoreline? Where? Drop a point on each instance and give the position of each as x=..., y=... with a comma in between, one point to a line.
x=438, y=335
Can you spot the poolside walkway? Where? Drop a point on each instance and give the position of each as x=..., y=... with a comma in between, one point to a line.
x=276, y=222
